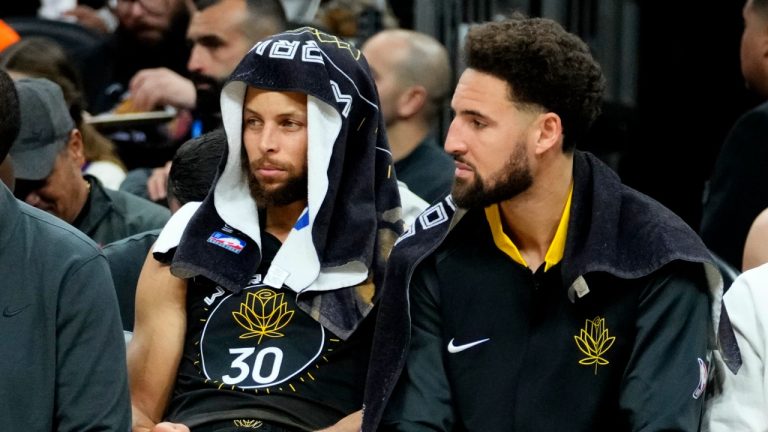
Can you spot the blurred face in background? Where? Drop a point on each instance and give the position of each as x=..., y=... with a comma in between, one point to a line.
x=64, y=191
x=754, y=49
x=384, y=55
x=148, y=20
x=218, y=40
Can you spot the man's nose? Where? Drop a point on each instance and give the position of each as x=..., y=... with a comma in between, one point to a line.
x=268, y=139
x=195, y=63
x=454, y=143
x=33, y=199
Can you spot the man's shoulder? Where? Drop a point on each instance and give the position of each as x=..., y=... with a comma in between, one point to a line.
x=138, y=207
x=754, y=118
x=46, y=230
x=142, y=241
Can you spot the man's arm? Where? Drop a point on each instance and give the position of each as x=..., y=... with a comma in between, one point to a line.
x=153, y=88
x=351, y=423
x=756, y=247
x=156, y=347
x=422, y=399
x=91, y=383
x=663, y=386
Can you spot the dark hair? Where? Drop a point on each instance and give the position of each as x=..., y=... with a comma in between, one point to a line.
x=266, y=17
x=10, y=118
x=543, y=65
x=194, y=166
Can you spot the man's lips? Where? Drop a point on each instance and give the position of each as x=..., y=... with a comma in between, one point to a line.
x=462, y=169
x=269, y=171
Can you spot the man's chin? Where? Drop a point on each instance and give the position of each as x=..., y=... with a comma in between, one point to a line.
x=150, y=37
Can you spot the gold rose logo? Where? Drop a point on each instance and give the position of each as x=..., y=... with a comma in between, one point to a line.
x=593, y=340
x=263, y=313
x=252, y=424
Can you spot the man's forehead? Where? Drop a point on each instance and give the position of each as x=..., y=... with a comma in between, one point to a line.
x=287, y=97
x=155, y=6
x=226, y=16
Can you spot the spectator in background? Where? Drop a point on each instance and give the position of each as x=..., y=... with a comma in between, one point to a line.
x=413, y=78
x=39, y=57
x=47, y=158
x=150, y=34
x=221, y=32
x=96, y=15
x=192, y=173
x=63, y=359
x=738, y=189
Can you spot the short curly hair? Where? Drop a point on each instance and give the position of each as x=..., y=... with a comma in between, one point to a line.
x=543, y=65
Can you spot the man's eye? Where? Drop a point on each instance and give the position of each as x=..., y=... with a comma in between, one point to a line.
x=477, y=124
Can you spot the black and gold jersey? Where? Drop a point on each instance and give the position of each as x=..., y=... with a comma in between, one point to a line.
x=255, y=354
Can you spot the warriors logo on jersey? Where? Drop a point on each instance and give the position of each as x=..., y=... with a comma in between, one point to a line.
x=594, y=341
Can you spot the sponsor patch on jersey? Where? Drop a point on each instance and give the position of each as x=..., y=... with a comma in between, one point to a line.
x=703, y=374
x=228, y=242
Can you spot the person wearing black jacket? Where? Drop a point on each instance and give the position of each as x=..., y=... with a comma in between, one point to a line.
x=738, y=189
x=542, y=295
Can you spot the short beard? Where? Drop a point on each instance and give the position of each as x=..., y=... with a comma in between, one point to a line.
x=208, y=97
x=514, y=179
x=295, y=188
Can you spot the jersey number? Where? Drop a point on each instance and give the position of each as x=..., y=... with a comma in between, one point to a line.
x=269, y=358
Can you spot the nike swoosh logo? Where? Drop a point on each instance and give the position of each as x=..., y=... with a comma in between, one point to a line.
x=8, y=312
x=453, y=349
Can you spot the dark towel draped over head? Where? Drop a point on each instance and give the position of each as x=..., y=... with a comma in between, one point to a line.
x=334, y=256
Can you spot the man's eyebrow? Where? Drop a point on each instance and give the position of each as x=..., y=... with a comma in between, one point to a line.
x=206, y=40
x=470, y=112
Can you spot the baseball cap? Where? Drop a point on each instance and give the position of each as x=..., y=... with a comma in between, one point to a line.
x=45, y=127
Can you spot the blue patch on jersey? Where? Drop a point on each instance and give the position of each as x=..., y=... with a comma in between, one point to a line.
x=229, y=243
x=303, y=221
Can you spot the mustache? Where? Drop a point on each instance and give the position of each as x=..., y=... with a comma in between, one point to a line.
x=263, y=161
x=460, y=159
x=202, y=79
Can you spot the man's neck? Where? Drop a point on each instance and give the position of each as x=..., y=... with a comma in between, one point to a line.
x=404, y=137
x=530, y=219
x=281, y=219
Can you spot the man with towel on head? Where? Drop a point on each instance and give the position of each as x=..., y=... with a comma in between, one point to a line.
x=254, y=309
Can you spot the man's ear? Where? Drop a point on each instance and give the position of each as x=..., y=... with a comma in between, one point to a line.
x=75, y=147
x=411, y=101
x=549, y=131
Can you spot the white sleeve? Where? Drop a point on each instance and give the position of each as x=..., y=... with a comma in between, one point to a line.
x=743, y=404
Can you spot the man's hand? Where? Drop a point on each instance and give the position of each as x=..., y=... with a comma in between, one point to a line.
x=88, y=17
x=350, y=423
x=157, y=183
x=152, y=88
x=162, y=427
x=170, y=427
